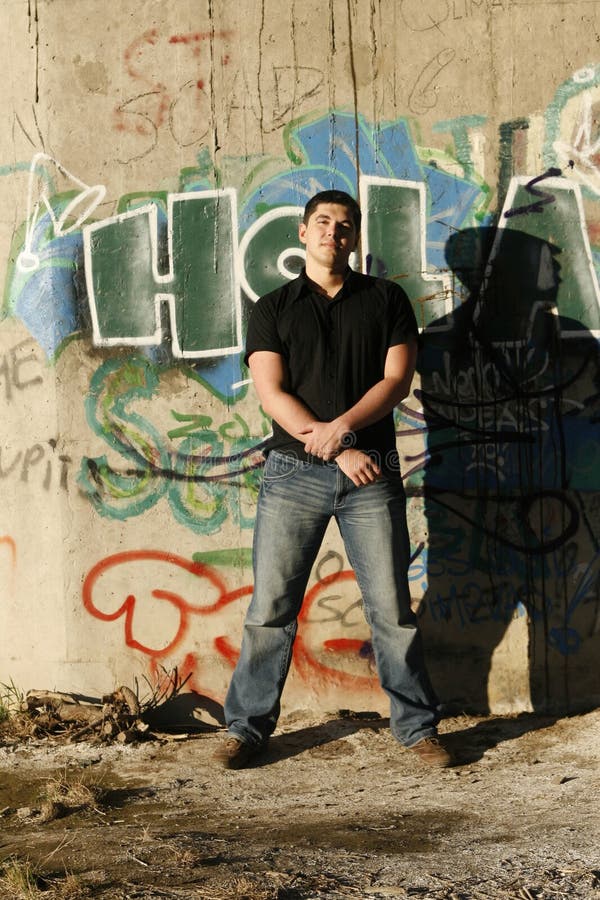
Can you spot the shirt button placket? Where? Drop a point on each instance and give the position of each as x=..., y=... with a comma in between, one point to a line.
x=332, y=360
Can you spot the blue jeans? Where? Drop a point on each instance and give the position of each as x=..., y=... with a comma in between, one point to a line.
x=296, y=501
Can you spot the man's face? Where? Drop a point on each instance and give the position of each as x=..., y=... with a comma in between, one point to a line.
x=329, y=236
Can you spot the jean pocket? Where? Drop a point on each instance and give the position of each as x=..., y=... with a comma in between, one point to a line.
x=279, y=466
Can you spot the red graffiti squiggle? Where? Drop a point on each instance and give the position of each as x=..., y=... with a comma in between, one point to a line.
x=184, y=607
x=225, y=648
x=10, y=543
x=347, y=645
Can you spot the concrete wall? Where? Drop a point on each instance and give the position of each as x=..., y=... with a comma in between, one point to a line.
x=154, y=157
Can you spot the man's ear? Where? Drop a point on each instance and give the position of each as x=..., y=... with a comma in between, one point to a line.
x=302, y=232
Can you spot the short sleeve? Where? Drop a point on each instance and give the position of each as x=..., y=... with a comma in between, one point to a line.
x=262, y=333
x=403, y=322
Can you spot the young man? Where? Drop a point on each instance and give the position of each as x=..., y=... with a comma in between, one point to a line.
x=331, y=354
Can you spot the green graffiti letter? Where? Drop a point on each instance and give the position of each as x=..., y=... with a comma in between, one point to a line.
x=126, y=289
x=553, y=212
x=394, y=243
x=270, y=251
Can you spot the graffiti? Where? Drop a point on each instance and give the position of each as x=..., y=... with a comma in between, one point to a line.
x=7, y=541
x=182, y=577
x=186, y=589
x=467, y=141
x=293, y=85
x=577, y=295
x=206, y=469
x=419, y=16
x=333, y=607
x=147, y=257
x=125, y=287
x=507, y=575
x=330, y=658
x=538, y=205
x=423, y=96
x=82, y=202
x=135, y=262
x=474, y=605
x=158, y=597
x=37, y=460
x=20, y=368
x=581, y=154
x=388, y=206
x=573, y=107
x=491, y=416
x=511, y=152
x=507, y=391
x=464, y=9
x=431, y=14
x=41, y=285
x=185, y=107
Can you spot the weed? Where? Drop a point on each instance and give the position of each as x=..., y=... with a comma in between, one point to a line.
x=11, y=699
x=69, y=888
x=22, y=879
x=14, y=724
x=167, y=686
x=63, y=795
x=75, y=794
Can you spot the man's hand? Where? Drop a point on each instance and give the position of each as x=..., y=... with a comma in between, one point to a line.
x=358, y=466
x=327, y=439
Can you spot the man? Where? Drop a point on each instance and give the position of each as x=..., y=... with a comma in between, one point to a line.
x=331, y=354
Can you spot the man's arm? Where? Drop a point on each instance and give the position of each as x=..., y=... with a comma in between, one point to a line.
x=269, y=375
x=326, y=439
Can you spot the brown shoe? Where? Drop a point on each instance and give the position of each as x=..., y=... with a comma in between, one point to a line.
x=431, y=751
x=235, y=754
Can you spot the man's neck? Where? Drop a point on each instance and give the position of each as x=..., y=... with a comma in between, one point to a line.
x=326, y=281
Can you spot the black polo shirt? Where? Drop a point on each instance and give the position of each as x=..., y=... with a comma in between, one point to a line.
x=335, y=349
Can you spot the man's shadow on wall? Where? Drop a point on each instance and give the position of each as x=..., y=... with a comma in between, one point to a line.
x=510, y=394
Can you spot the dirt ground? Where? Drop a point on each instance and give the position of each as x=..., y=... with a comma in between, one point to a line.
x=336, y=808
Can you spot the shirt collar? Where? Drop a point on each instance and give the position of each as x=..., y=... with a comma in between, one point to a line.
x=301, y=284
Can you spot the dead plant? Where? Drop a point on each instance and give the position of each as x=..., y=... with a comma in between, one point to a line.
x=118, y=716
x=65, y=794
x=167, y=686
x=22, y=879
x=14, y=725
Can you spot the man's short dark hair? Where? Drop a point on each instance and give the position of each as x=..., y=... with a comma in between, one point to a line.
x=333, y=196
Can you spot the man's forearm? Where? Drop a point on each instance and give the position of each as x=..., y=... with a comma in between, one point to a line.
x=269, y=373
x=379, y=400
x=326, y=439
x=387, y=393
x=289, y=412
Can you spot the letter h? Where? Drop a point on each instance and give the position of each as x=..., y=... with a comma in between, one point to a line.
x=200, y=287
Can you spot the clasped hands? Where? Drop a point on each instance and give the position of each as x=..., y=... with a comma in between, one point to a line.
x=332, y=441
